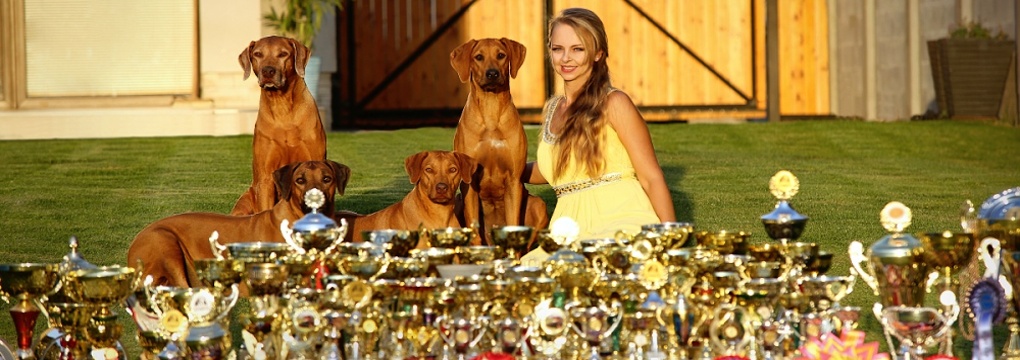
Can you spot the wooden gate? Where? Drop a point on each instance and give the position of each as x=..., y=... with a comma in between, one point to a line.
x=676, y=59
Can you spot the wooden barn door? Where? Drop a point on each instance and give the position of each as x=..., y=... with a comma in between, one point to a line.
x=394, y=66
x=676, y=59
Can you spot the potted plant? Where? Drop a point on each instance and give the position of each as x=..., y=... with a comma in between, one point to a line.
x=969, y=71
x=301, y=20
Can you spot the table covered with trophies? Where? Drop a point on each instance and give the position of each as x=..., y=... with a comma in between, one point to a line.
x=668, y=291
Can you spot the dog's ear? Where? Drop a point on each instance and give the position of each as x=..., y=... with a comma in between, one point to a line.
x=468, y=166
x=460, y=59
x=301, y=55
x=245, y=60
x=341, y=175
x=516, y=52
x=283, y=177
x=413, y=163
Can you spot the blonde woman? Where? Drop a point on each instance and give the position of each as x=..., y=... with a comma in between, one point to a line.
x=594, y=148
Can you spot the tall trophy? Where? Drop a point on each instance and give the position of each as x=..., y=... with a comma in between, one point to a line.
x=29, y=283
x=102, y=287
x=894, y=266
x=999, y=218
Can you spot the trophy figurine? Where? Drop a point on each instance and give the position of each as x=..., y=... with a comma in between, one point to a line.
x=29, y=283
x=784, y=223
x=894, y=266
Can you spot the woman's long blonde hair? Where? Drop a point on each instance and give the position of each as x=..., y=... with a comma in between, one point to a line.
x=581, y=135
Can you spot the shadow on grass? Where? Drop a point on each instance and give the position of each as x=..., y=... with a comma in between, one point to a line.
x=682, y=203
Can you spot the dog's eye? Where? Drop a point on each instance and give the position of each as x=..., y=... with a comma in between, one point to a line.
x=501, y=56
x=257, y=54
x=327, y=179
x=429, y=170
x=283, y=54
x=452, y=170
x=301, y=181
x=479, y=57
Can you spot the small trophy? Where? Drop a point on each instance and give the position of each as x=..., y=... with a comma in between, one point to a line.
x=314, y=232
x=784, y=223
x=29, y=283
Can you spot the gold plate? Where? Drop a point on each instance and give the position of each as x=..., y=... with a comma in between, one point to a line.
x=356, y=294
x=174, y=321
x=653, y=274
x=369, y=326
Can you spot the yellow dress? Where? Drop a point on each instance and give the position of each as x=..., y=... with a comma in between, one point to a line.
x=601, y=206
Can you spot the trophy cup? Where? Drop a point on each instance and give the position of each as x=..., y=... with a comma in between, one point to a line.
x=464, y=329
x=203, y=309
x=724, y=242
x=894, y=266
x=592, y=324
x=513, y=239
x=674, y=234
x=397, y=243
x=102, y=287
x=314, y=231
x=730, y=332
x=266, y=283
x=947, y=253
x=416, y=296
x=914, y=327
x=784, y=223
x=30, y=283
x=450, y=237
x=825, y=292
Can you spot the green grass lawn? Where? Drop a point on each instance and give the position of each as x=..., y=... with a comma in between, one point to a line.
x=105, y=191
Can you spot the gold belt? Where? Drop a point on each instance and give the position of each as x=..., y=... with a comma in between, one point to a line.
x=582, y=185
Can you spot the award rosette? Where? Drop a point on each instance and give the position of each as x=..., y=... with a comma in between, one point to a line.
x=849, y=345
x=987, y=303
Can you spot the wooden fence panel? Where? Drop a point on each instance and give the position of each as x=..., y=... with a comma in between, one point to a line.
x=401, y=52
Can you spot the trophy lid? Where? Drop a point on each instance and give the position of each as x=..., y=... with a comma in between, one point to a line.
x=314, y=221
x=895, y=217
x=73, y=259
x=1004, y=205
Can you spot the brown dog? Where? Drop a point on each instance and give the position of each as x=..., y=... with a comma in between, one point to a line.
x=288, y=128
x=436, y=175
x=490, y=131
x=168, y=247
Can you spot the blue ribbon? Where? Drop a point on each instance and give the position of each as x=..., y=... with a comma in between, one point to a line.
x=987, y=302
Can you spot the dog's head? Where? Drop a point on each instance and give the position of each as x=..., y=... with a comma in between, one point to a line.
x=275, y=60
x=490, y=63
x=438, y=174
x=293, y=180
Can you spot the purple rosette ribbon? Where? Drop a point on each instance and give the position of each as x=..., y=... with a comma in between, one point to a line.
x=987, y=301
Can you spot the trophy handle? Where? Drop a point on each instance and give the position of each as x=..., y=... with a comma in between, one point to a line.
x=618, y=314
x=230, y=300
x=484, y=328
x=441, y=324
x=857, y=257
x=151, y=295
x=288, y=237
x=217, y=248
x=340, y=232
x=622, y=235
x=991, y=254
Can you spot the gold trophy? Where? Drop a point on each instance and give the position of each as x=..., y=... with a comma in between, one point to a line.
x=314, y=231
x=593, y=323
x=30, y=283
x=198, y=314
x=675, y=234
x=914, y=327
x=724, y=242
x=102, y=287
x=266, y=283
x=894, y=266
x=947, y=253
x=512, y=239
x=450, y=237
x=417, y=296
x=730, y=332
x=465, y=328
x=825, y=292
x=784, y=223
x=397, y=243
